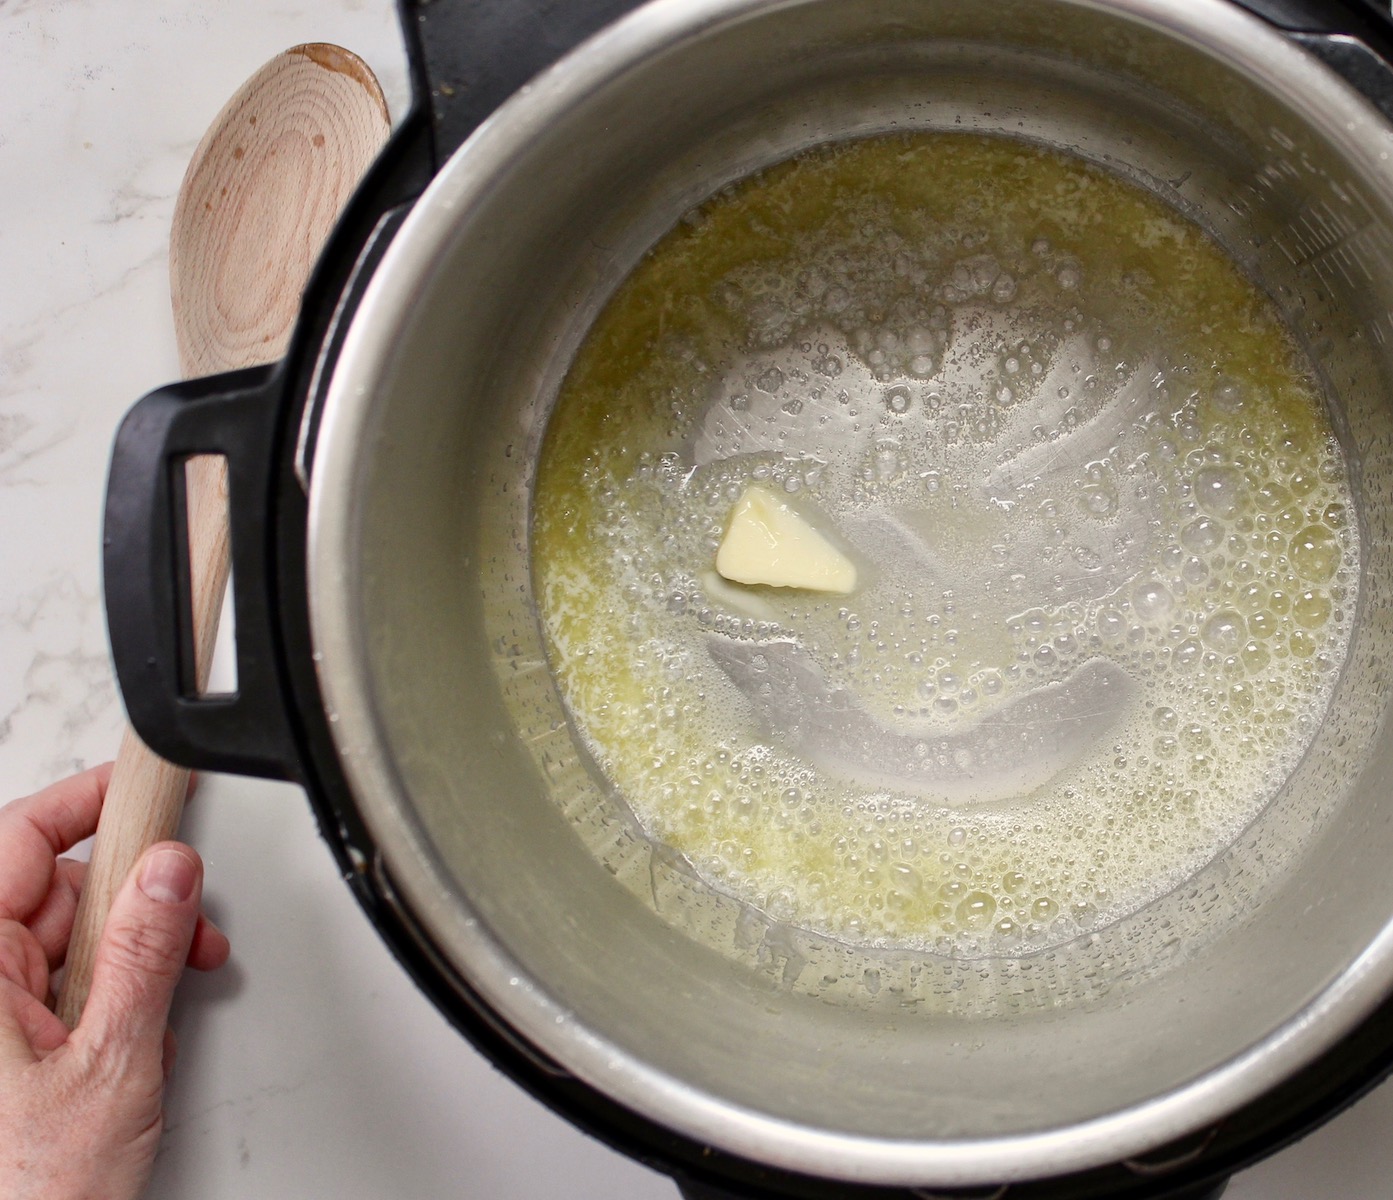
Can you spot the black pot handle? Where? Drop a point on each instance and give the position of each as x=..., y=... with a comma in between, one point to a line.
x=145, y=567
x=468, y=56
x=1352, y=37
x=1352, y=17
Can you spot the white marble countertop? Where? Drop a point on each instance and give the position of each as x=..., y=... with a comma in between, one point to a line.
x=310, y=1066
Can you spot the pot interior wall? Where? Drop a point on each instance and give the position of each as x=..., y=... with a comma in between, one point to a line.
x=530, y=877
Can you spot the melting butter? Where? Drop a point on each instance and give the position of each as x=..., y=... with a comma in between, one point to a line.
x=1115, y=562
x=768, y=542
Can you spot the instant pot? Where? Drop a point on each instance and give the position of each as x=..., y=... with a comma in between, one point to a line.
x=389, y=661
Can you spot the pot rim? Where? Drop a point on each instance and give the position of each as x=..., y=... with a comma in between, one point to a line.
x=1250, y=46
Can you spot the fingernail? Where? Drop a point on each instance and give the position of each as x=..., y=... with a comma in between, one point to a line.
x=168, y=876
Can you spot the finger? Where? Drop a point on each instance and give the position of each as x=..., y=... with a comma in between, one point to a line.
x=64, y=812
x=52, y=924
x=210, y=948
x=144, y=946
x=36, y=829
x=22, y=959
x=52, y=921
x=28, y=1030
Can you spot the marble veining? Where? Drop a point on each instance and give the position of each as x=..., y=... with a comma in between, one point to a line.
x=64, y=703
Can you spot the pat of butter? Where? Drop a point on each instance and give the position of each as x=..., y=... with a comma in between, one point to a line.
x=767, y=542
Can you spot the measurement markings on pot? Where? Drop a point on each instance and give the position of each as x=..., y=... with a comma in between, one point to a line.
x=1105, y=576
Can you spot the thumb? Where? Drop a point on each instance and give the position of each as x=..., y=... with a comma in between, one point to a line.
x=141, y=956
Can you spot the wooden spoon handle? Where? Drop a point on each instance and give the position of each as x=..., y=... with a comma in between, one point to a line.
x=261, y=193
x=145, y=795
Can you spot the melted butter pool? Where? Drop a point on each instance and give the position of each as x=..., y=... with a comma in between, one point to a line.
x=1106, y=560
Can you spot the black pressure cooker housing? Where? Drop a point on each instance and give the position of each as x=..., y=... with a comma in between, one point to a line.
x=465, y=59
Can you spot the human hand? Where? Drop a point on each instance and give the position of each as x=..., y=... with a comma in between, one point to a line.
x=81, y=1109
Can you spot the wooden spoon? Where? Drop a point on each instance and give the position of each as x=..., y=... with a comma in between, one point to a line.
x=260, y=196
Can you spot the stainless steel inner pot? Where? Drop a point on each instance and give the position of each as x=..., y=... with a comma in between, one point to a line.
x=605, y=954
